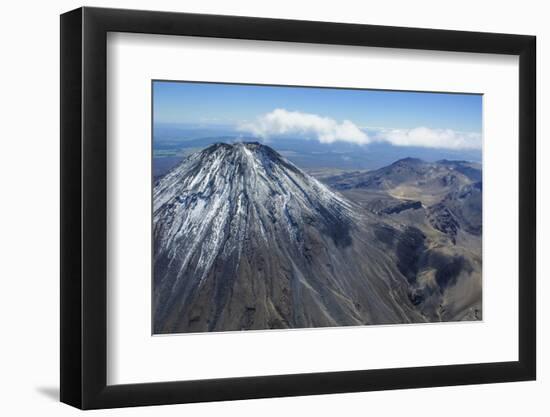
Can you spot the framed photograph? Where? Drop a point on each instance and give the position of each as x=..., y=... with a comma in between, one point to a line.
x=257, y=208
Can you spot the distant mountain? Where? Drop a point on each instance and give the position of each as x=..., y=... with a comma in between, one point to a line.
x=451, y=191
x=471, y=169
x=428, y=178
x=243, y=239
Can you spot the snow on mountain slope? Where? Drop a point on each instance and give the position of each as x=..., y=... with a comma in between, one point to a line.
x=243, y=239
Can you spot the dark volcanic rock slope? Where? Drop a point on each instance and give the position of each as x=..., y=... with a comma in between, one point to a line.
x=243, y=239
x=430, y=221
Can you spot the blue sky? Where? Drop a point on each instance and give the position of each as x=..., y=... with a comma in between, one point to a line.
x=403, y=118
x=182, y=102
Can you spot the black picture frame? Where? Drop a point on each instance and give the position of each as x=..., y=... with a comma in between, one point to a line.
x=84, y=207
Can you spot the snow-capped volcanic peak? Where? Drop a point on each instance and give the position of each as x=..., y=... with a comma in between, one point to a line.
x=224, y=181
x=216, y=199
x=251, y=168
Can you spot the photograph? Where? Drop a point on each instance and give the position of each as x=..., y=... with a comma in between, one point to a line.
x=292, y=207
x=281, y=204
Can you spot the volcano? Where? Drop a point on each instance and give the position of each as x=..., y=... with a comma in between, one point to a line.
x=243, y=239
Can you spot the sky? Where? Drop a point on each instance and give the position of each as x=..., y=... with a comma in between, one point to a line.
x=401, y=118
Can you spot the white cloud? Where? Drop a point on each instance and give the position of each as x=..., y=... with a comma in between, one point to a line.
x=430, y=138
x=324, y=129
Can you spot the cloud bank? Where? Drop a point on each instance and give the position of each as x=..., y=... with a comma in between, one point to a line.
x=327, y=130
x=430, y=138
x=284, y=122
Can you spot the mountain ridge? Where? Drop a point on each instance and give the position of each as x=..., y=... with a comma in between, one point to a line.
x=244, y=239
